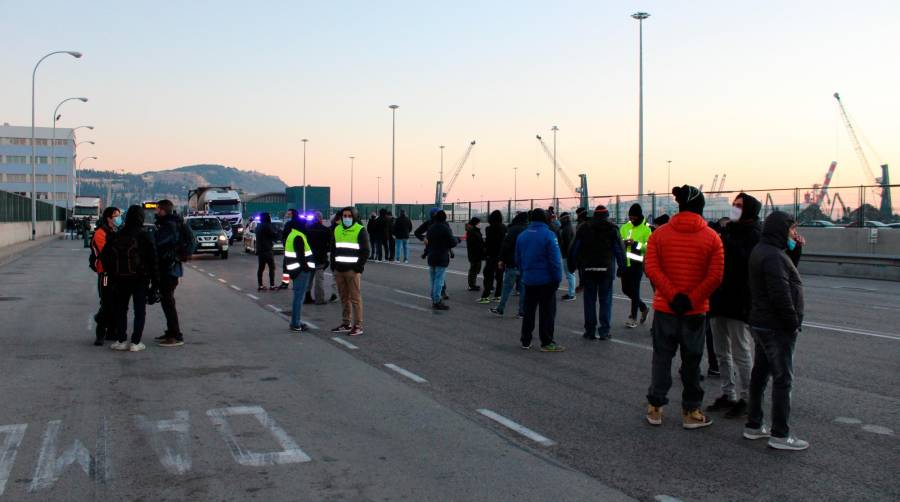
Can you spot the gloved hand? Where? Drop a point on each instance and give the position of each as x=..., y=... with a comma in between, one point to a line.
x=681, y=304
x=152, y=296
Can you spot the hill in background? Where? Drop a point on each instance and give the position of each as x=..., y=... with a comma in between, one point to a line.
x=125, y=189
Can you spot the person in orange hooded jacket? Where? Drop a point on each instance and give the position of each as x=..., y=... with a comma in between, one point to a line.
x=685, y=263
x=104, y=318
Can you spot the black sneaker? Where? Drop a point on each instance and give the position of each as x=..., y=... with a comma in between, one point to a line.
x=333, y=298
x=440, y=306
x=568, y=298
x=739, y=410
x=497, y=312
x=588, y=336
x=474, y=288
x=644, y=313
x=722, y=403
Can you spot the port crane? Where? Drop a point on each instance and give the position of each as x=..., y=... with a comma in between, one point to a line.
x=581, y=190
x=440, y=195
x=884, y=180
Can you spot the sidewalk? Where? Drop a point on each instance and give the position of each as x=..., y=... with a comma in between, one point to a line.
x=244, y=410
x=15, y=251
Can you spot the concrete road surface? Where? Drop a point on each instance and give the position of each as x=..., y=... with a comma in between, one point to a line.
x=571, y=423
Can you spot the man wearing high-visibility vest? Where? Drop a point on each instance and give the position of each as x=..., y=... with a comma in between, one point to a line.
x=350, y=251
x=299, y=265
x=635, y=235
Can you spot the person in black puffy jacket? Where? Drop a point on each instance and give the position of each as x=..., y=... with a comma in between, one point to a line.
x=475, y=251
x=507, y=265
x=776, y=318
x=439, y=241
x=493, y=241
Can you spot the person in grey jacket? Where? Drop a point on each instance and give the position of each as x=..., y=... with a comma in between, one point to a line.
x=776, y=318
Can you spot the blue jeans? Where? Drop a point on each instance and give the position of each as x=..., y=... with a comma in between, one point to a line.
x=299, y=286
x=570, y=278
x=401, y=248
x=437, y=275
x=510, y=280
x=598, y=288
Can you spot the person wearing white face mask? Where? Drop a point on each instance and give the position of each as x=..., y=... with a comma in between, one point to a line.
x=106, y=228
x=350, y=250
x=730, y=307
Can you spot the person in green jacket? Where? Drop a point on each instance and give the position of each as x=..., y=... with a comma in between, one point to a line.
x=635, y=235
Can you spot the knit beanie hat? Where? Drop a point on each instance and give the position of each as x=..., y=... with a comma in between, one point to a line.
x=600, y=212
x=636, y=210
x=689, y=198
x=539, y=215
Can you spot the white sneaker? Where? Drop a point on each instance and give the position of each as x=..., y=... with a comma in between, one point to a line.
x=788, y=443
x=136, y=347
x=119, y=346
x=761, y=433
x=631, y=323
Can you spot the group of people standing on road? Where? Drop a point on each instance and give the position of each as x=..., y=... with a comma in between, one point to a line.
x=735, y=281
x=138, y=266
x=389, y=236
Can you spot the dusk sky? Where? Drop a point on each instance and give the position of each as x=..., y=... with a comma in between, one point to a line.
x=741, y=88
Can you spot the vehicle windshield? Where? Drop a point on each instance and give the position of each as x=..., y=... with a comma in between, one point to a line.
x=224, y=207
x=205, y=224
x=85, y=211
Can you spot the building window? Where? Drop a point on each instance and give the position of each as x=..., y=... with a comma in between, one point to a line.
x=41, y=178
x=18, y=141
x=41, y=142
x=16, y=178
x=16, y=159
x=60, y=179
x=40, y=159
x=61, y=142
x=60, y=195
x=60, y=161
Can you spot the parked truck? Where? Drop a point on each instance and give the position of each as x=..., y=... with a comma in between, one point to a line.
x=223, y=202
x=87, y=209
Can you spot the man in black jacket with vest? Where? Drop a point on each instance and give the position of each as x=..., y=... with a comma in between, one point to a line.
x=776, y=317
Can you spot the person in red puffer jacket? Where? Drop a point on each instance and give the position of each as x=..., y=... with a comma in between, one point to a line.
x=685, y=263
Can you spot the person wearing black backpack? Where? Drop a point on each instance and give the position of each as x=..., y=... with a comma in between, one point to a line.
x=130, y=259
x=598, y=253
x=174, y=245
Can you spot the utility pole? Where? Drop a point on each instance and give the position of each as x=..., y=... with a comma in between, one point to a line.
x=640, y=16
x=379, y=190
x=351, y=179
x=515, y=183
x=669, y=175
x=393, y=158
x=555, y=205
x=304, y=140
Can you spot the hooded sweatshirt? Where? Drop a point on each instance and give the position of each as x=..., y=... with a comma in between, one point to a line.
x=776, y=292
x=493, y=236
x=684, y=256
x=732, y=298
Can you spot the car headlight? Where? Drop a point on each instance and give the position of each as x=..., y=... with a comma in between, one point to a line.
x=223, y=238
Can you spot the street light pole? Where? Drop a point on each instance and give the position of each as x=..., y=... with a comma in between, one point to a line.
x=640, y=16
x=379, y=190
x=668, y=175
x=79, y=169
x=351, y=179
x=515, y=183
x=72, y=172
x=304, y=140
x=52, y=158
x=75, y=55
x=393, y=158
x=555, y=204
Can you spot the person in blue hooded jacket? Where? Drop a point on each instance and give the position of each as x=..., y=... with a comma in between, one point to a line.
x=540, y=263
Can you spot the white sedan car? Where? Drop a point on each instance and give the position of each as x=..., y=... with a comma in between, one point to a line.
x=250, y=236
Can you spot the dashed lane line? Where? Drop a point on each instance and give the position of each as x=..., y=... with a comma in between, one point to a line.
x=616, y=340
x=223, y=281
x=408, y=374
x=406, y=305
x=345, y=343
x=235, y=287
x=852, y=331
x=253, y=297
x=517, y=427
x=210, y=274
x=273, y=307
x=412, y=294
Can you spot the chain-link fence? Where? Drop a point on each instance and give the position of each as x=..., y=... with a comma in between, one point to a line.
x=16, y=208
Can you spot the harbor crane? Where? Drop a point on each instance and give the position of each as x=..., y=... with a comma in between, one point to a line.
x=884, y=181
x=440, y=194
x=581, y=190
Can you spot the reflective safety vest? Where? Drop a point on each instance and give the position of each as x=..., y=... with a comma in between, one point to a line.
x=640, y=235
x=292, y=262
x=346, y=244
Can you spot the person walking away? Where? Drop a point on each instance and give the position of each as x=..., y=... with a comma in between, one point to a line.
x=684, y=261
x=566, y=239
x=174, y=245
x=319, y=238
x=131, y=260
x=776, y=318
x=105, y=316
x=475, y=251
x=390, y=242
x=348, y=260
x=265, y=254
x=493, y=242
x=635, y=235
x=439, y=241
x=539, y=261
x=597, y=253
x=421, y=232
x=508, y=266
x=374, y=233
x=729, y=308
x=70, y=228
x=382, y=230
x=300, y=265
x=401, y=230
x=291, y=221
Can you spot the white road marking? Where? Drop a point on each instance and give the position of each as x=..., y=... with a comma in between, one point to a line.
x=201, y=270
x=310, y=324
x=235, y=287
x=50, y=466
x=254, y=297
x=519, y=428
x=8, y=449
x=412, y=294
x=401, y=304
x=223, y=281
x=290, y=453
x=852, y=331
x=848, y=420
x=273, y=307
x=90, y=327
x=616, y=340
x=408, y=374
x=210, y=274
x=666, y=498
x=175, y=460
x=877, y=429
x=341, y=341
